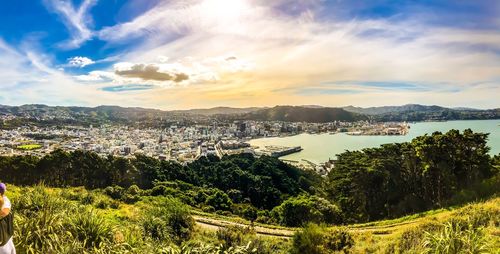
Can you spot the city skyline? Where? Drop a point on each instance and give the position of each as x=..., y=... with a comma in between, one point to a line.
x=244, y=53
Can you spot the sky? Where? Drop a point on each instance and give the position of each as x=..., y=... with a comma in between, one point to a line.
x=173, y=54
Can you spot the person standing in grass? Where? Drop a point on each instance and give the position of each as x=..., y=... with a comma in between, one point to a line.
x=6, y=223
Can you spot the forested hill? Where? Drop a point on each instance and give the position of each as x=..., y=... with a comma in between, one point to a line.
x=304, y=114
x=416, y=112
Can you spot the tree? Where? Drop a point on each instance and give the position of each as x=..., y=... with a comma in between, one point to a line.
x=297, y=211
x=220, y=201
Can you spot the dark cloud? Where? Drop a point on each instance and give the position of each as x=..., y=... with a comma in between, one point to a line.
x=124, y=88
x=151, y=72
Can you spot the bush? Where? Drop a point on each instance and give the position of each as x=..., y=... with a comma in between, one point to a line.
x=115, y=192
x=130, y=199
x=411, y=240
x=134, y=190
x=250, y=213
x=300, y=210
x=88, y=199
x=235, y=195
x=208, y=209
x=158, y=190
x=90, y=229
x=338, y=240
x=308, y=240
x=233, y=235
x=39, y=221
x=168, y=221
x=315, y=239
x=73, y=194
x=220, y=201
x=454, y=238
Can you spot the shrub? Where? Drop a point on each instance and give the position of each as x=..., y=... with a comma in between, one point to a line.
x=158, y=190
x=308, y=240
x=74, y=195
x=411, y=239
x=220, y=201
x=477, y=215
x=235, y=195
x=170, y=220
x=113, y=204
x=39, y=221
x=130, y=199
x=90, y=229
x=208, y=209
x=134, y=190
x=115, y=192
x=338, y=240
x=250, y=213
x=454, y=238
x=88, y=199
x=315, y=239
x=297, y=211
x=102, y=204
x=233, y=235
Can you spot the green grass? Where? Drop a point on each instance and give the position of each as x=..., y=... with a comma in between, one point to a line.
x=29, y=147
x=76, y=220
x=121, y=226
x=408, y=234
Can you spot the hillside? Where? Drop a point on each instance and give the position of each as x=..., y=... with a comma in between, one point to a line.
x=394, y=109
x=218, y=111
x=416, y=112
x=145, y=205
x=43, y=115
x=304, y=114
x=104, y=225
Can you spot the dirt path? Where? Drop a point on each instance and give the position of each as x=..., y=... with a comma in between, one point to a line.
x=215, y=224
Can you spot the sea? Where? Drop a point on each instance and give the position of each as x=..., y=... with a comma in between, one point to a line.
x=320, y=148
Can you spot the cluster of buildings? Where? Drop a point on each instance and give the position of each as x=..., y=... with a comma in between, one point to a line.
x=182, y=143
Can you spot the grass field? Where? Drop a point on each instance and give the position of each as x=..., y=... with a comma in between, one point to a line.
x=29, y=147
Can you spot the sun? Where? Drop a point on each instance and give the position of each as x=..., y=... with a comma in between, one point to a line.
x=225, y=10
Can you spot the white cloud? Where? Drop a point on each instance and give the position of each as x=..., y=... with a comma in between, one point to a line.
x=76, y=20
x=254, y=53
x=80, y=61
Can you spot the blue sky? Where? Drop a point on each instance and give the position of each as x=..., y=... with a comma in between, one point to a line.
x=202, y=53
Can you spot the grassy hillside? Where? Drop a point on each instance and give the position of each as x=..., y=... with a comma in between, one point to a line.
x=74, y=220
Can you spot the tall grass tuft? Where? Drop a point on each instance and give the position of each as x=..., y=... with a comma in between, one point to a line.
x=90, y=229
x=454, y=238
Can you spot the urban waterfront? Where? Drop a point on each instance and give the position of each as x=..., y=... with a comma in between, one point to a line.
x=319, y=148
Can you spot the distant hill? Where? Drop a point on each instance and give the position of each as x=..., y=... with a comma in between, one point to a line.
x=304, y=114
x=43, y=115
x=394, y=109
x=416, y=112
x=218, y=111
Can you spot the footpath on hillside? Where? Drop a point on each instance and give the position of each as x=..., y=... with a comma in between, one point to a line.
x=381, y=227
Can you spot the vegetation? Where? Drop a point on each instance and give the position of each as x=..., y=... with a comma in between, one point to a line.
x=264, y=182
x=415, y=112
x=304, y=114
x=398, y=179
x=300, y=210
x=156, y=225
x=316, y=239
x=144, y=205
